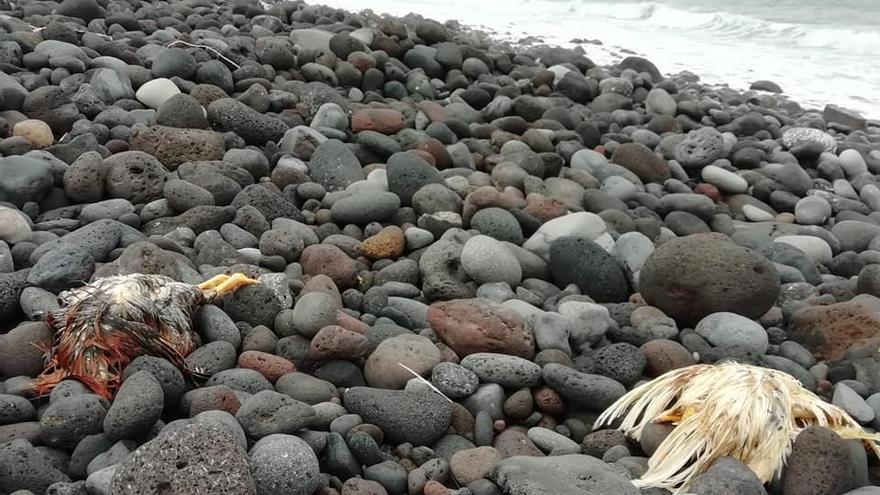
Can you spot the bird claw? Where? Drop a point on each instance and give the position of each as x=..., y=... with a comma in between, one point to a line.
x=228, y=285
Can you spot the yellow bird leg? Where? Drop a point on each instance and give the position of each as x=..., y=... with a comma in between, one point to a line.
x=213, y=282
x=235, y=282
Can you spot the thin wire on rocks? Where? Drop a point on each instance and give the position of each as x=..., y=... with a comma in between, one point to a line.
x=422, y=379
x=206, y=47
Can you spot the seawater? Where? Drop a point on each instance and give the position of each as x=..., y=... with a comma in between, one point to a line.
x=819, y=52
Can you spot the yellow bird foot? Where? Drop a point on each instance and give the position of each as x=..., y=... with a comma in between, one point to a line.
x=233, y=283
x=213, y=282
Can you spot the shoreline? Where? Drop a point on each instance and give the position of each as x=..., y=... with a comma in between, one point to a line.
x=609, y=55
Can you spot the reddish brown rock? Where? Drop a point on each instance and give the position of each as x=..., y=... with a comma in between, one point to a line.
x=831, y=330
x=216, y=398
x=437, y=151
x=462, y=419
x=269, y=365
x=469, y=326
x=433, y=110
x=351, y=323
x=207, y=94
x=329, y=260
x=335, y=342
x=548, y=401
x=361, y=61
x=544, y=208
x=388, y=243
x=173, y=146
x=424, y=155
x=447, y=355
x=665, y=355
x=435, y=488
x=640, y=160
x=514, y=441
x=472, y=464
x=709, y=191
x=488, y=196
x=322, y=283
x=383, y=120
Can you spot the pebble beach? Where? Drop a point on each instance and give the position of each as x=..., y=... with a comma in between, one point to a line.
x=467, y=250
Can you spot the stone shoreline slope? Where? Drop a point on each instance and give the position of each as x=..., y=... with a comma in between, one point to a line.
x=532, y=234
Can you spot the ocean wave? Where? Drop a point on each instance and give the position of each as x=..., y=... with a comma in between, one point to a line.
x=729, y=25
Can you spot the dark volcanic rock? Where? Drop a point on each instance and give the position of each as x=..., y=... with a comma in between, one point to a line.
x=334, y=166
x=24, y=179
x=584, y=263
x=194, y=459
x=272, y=205
x=231, y=115
x=728, y=476
x=135, y=176
x=23, y=467
x=172, y=146
x=819, y=464
x=11, y=286
x=407, y=173
x=694, y=276
x=416, y=417
x=67, y=421
x=573, y=474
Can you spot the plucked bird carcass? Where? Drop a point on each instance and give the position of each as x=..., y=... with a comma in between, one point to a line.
x=101, y=327
x=720, y=410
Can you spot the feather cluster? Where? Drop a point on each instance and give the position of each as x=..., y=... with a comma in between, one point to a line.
x=102, y=326
x=725, y=410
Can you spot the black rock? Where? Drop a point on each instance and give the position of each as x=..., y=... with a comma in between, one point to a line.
x=431, y=31
x=255, y=304
x=178, y=459
x=24, y=179
x=11, y=286
x=416, y=417
x=640, y=64
x=231, y=115
x=86, y=10
x=22, y=467
x=62, y=268
x=86, y=450
x=242, y=379
x=84, y=179
x=68, y=420
x=272, y=205
x=622, y=362
x=212, y=358
x=268, y=412
x=407, y=173
x=135, y=176
x=334, y=166
x=174, y=62
x=169, y=376
x=136, y=408
x=819, y=463
x=182, y=111
x=584, y=263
